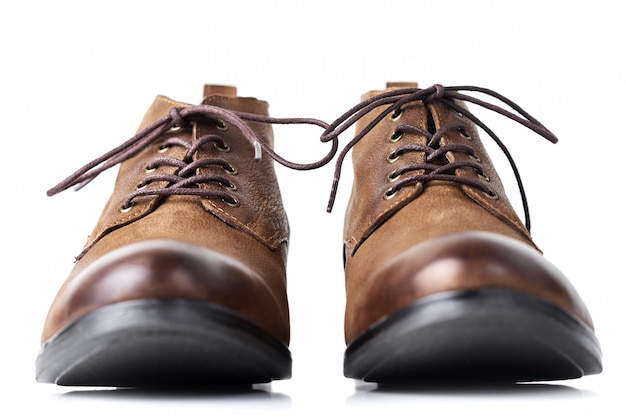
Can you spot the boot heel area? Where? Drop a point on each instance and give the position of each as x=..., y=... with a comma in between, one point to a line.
x=156, y=342
x=484, y=335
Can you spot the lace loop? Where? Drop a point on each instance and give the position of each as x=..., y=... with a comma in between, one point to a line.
x=181, y=117
x=395, y=99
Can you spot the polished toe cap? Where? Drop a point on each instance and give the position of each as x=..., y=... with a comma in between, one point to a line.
x=163, y=269
x=458, y=262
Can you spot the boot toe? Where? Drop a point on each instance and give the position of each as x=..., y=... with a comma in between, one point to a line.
x=164, y=313
x=461, y=262
x=469, y=306
x=165, y=269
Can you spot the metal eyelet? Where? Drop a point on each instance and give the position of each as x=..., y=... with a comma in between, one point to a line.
x=393, y=157
x=163, y=149
x=141, y=186
x=175, y=128
x=233, y=204
x=464, y=134
x=223, y=147
x=230, y=170
x=229, y=186
x=221, y=126
x=491, y=195
x=483, y=176
x=475, y=157
x=149, y=169
x=397, y=114
x=389, y=194
x=393, y=177
x=124, y=209
x=396, y=136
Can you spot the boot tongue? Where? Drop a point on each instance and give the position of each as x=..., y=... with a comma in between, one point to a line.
x=216, y=90
x=391, y=85
x=226, y=97
x=401, y=85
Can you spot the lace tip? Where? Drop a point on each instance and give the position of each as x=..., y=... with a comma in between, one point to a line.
x=333, y=195
x=258, y=153
x=82, y=184
x=547, y=134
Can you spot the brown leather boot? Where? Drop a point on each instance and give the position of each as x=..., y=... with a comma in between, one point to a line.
x=182, y=282
x=443, y=280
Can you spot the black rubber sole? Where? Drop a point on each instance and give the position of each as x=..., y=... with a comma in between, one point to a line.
x=487, y=335
x=147, y=343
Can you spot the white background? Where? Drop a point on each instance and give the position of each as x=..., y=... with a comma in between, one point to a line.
x=77, y=77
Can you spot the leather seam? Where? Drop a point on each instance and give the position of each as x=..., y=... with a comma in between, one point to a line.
x=272, y=241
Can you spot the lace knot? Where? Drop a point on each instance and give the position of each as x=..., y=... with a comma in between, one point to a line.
x=439, y=93
x=177, y=118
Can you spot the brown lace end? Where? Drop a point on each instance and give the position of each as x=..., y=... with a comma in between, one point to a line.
x=333, y=195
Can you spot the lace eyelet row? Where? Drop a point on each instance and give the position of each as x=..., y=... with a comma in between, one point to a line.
x=234, y=203
x=230, y=169
x=220, y=125
x=481, y=175
x=394, y=156
x=395, y=137
x=222, y=147
x=393, y=177
x=391, y=192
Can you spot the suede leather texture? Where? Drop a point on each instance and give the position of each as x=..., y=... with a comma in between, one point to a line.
x=234, y=257
x=437, y=237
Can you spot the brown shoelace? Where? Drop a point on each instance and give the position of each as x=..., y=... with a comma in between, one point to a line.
x=186, y=179
x=436, y=166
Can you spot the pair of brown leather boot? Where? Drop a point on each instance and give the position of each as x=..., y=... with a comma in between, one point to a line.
x=183, y=280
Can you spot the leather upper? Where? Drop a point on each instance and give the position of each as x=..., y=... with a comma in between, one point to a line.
x=441, y=236
x=234, y=257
